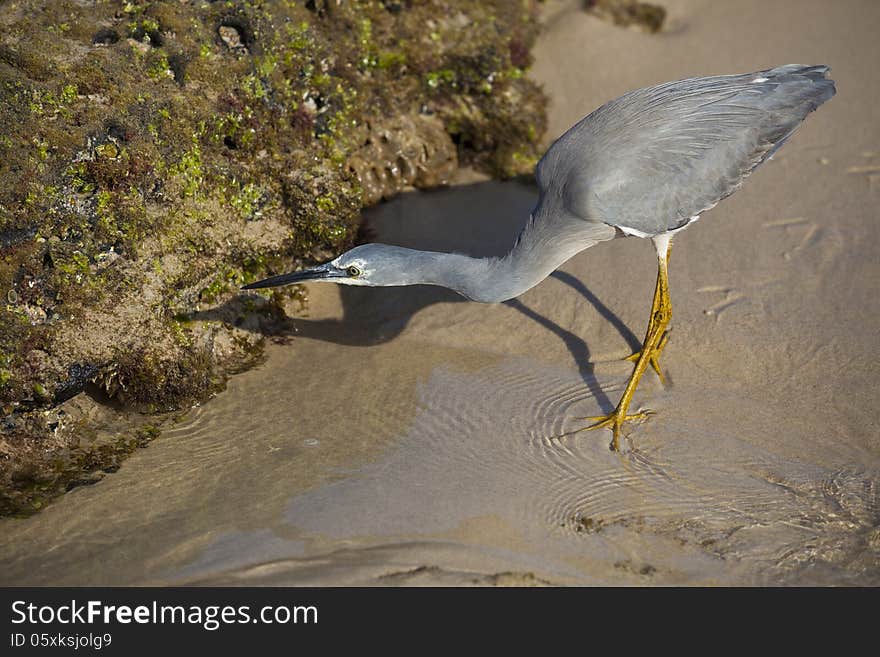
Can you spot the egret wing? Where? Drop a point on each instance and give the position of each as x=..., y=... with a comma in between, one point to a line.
x=655, y=158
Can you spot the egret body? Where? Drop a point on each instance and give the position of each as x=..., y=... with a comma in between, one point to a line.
x=647, y=164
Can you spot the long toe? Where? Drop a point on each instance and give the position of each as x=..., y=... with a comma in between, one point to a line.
x=605, y=421
x=653, y=359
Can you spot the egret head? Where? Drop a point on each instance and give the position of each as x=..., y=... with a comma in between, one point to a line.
x=370, y=264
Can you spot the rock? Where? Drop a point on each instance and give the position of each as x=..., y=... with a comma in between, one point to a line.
x=157, y=155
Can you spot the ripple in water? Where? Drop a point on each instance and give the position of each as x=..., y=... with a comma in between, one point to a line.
x=494, y=443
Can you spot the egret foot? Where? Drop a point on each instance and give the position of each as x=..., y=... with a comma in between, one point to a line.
x=614, y=421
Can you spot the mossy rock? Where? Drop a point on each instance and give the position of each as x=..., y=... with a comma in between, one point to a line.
x=157, y=155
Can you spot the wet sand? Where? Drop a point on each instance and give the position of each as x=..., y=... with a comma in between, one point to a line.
x=405, y=436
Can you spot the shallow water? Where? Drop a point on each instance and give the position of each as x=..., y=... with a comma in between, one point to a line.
x=405, y=436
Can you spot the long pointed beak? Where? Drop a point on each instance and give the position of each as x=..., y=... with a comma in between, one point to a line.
x=319, y=273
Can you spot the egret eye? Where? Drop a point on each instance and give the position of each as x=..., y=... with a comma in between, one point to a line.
x=353, y=271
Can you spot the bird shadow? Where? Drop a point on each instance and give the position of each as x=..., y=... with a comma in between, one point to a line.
x=482, y=220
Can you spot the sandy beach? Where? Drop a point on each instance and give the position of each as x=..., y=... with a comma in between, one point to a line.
x=404, y=436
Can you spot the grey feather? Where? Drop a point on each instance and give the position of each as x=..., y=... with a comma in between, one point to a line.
x=653, y=159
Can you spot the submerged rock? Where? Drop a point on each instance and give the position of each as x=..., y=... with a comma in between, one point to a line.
x=647, y=17
x=154, y=156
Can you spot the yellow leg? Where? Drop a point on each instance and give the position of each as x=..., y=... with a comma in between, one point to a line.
x=661, y=314
x=654, y=357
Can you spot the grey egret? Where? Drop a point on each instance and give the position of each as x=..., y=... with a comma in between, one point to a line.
x=647, y=164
